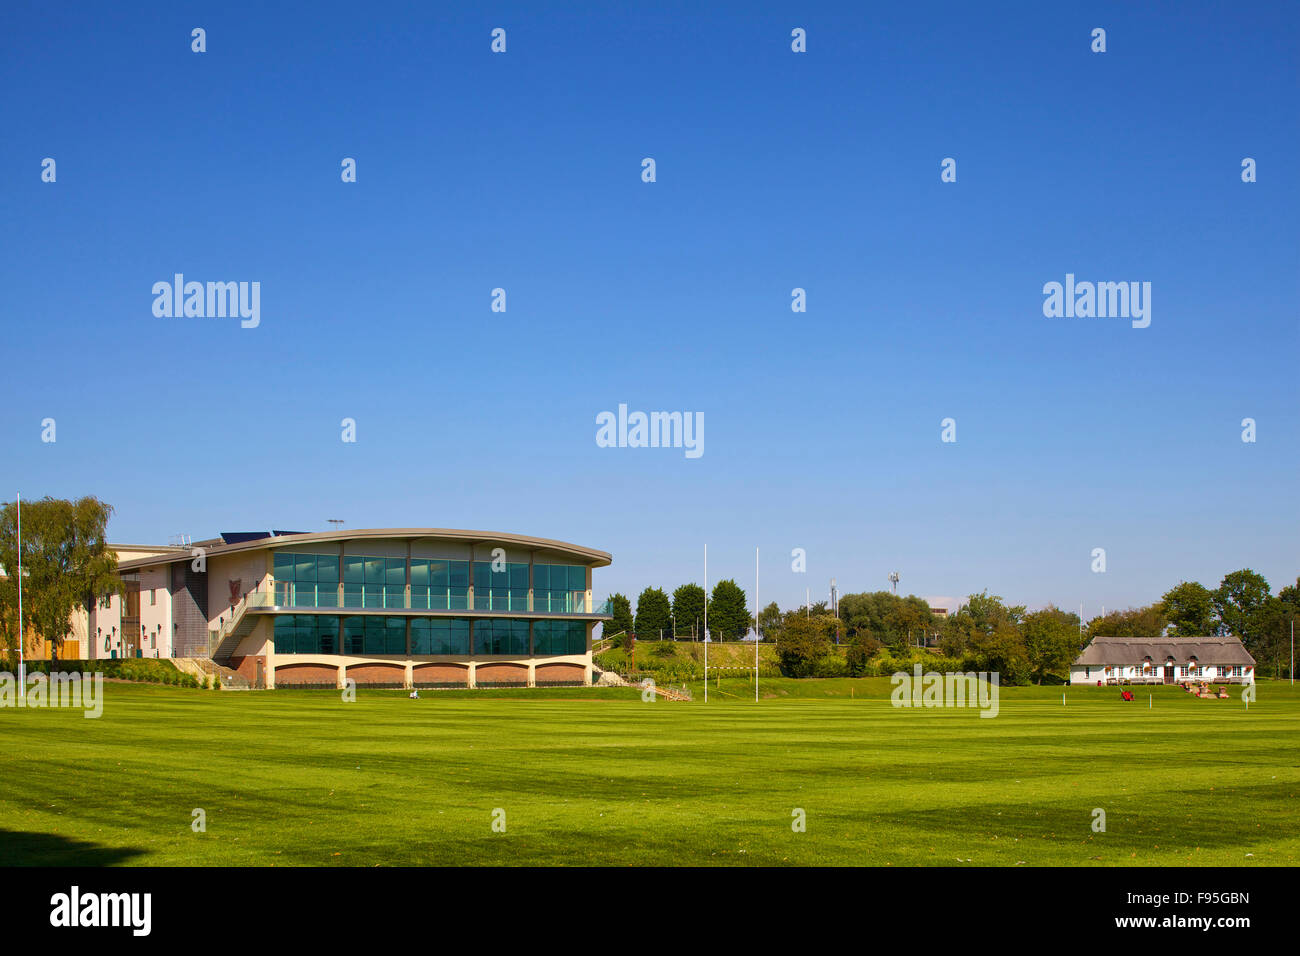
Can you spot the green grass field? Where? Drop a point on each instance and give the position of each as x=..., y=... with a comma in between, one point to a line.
x=588, y=776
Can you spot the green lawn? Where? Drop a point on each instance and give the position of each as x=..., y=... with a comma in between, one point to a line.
x=589, y=776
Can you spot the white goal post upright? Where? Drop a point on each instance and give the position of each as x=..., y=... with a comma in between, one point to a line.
x=22, y=666
x=756, y=634
x=706, y=623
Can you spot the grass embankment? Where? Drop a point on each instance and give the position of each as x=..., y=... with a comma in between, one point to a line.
x=677, y=661
x=148, y=670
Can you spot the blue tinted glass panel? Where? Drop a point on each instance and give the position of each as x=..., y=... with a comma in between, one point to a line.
x=396, y=572
x=327, y=569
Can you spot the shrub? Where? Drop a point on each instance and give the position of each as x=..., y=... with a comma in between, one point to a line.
x=861, y=649
x=830, y=665
x=142, y=669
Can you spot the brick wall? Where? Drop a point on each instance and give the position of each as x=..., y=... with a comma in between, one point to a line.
x=189, y=611
x=306, y=674
x=377, y=673
x=246, y=667
x=500, y=674
x=440, y=674
x=560, y=672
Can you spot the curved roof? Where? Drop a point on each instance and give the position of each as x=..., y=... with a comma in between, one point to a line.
x=588, y=556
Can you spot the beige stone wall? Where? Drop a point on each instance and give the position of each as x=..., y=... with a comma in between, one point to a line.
x=156, y=611
x=252, y=569
x=398, y=668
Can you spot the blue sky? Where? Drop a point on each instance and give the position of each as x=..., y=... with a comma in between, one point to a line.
x=775, y=170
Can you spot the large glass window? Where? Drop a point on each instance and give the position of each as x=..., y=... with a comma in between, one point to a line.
x=374, y=582
x=306, y=634
x=374, y=635
x=306, y=580
x=500, y=590
x=559, y=637
x=500, y=636
x=438, y=585
x=440, y=635
x=559, y=588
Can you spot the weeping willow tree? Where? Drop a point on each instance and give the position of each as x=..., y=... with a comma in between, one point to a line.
x=66, y=566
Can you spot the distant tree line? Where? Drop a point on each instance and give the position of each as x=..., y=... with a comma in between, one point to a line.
x=682, y=616
x=984, y=633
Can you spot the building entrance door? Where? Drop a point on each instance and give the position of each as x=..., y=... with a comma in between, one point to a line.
x=1169, y=673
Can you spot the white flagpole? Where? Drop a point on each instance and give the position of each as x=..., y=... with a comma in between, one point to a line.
x=22, y=667
x=756, y=635
x=706, y=623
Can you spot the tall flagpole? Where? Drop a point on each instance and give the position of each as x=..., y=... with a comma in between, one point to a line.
x=756, y=634
x=706, y=623
x=22, y=667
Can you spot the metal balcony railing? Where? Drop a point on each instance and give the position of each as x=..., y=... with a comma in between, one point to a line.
x=379, y=596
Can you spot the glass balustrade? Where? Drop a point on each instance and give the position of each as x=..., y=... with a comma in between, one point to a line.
x=380, y=583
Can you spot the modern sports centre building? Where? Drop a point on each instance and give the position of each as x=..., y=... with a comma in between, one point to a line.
x=397, y=607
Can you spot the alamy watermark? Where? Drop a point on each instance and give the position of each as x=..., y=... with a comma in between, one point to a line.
x=213, y=300
x=75, y=908
x=59, y=689
x=652, y=430
x=932, y=689
x=1102, y=300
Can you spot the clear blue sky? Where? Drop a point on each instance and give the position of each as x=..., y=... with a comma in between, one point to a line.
x=775, y=170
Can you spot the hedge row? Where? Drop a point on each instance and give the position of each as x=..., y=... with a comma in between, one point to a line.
x=666, y=670
x=142, y=669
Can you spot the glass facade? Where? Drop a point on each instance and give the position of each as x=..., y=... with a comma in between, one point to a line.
x=559, y=637
x=374, y=635
x=438, y=585
x=435, y=584
x=503, y=590
x=312, y=580
x=500, y=636
x=374, y=582
x=306, y=580
x=306, y=634
x=440, y=635
x=368, y=635
x=559, y=588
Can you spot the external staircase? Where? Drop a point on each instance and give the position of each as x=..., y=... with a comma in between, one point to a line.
x=603, y=678
x=205, y=668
